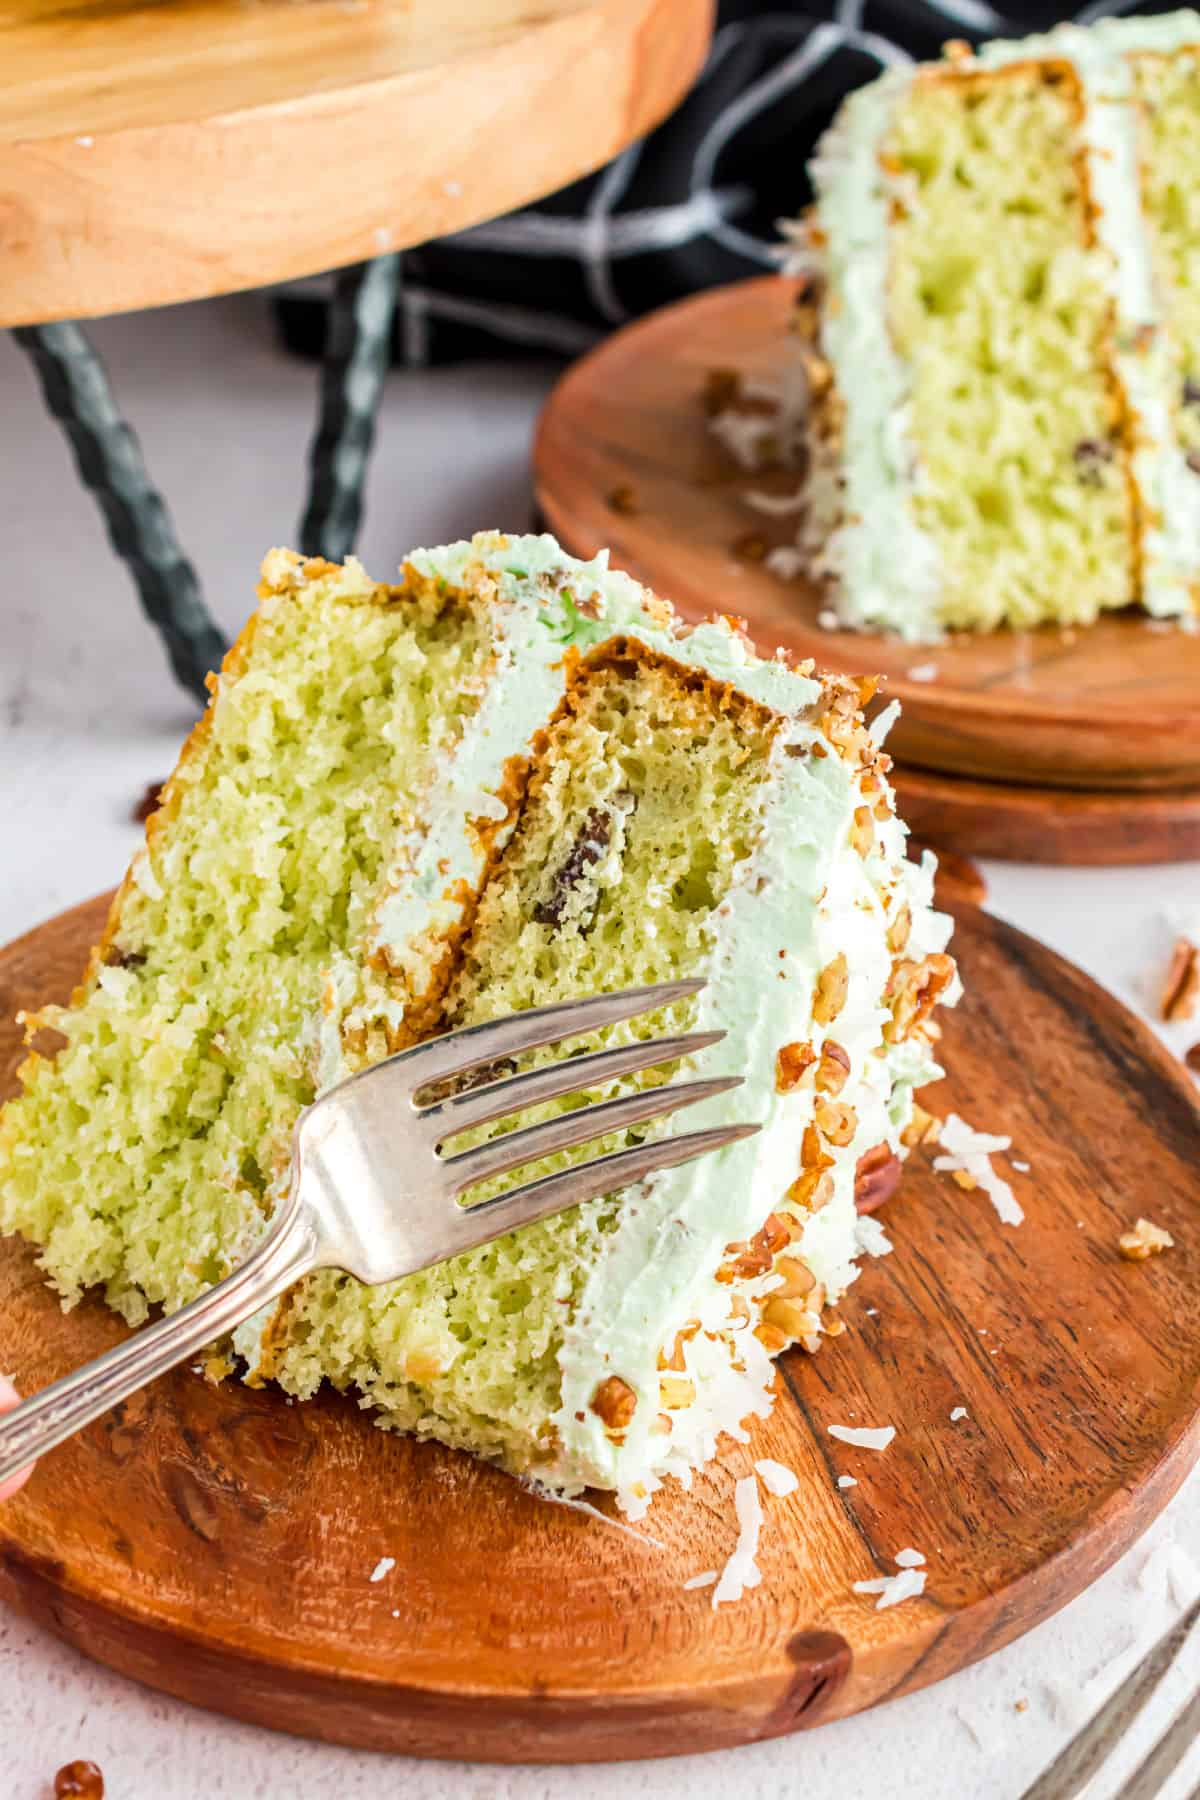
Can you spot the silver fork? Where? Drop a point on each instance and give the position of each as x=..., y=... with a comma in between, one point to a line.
x=370, y=1192
x=1073, y=1769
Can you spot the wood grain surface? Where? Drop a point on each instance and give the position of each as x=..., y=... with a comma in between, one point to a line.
x=1114, y=706
x=219, y=1543
x=153, y=153
x=1081, y=828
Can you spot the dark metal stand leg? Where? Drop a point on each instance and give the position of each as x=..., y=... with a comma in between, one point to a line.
x=140, y=529
x=356, y=359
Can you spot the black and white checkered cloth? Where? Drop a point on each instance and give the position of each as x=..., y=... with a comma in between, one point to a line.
x=692, y=205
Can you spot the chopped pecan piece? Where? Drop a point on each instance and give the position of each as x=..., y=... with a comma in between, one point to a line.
x=876, y=1178
x=1183, y=982
x=798, y=1278
x=833, y=1070
x=1146, y=1239
x=812, y=1190
x=756, y=1257
x=836, y=1121
x=914, y=991
x=790, y=1065
x=833, y=984
x=615, y=1402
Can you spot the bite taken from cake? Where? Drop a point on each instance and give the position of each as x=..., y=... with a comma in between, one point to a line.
x=512, y=779
x=999, y=336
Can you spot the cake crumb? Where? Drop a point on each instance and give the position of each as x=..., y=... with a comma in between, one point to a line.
x=1182, y=986
x=382, y=1566
x=863, y=1437
x=1145, y=1239
x=1021, y=1705
x=149, y=803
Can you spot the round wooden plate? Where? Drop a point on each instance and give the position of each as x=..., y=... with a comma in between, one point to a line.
x=220, y=1543
x=1082, y=828
x=153, y=153
x=1116, y=706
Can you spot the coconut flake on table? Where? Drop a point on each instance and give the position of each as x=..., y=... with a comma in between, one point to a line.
x=923, y=672
x=741, y=1571
x=847, y=1481
x=776, y=506
x=971, y=1151
x=776, y=1477
x=703, y=1580
x=892, y=1589
x=827, y=619
x=382, y=1566
x=959, y=1412
x=908, y=1559
x=785, y=561
x=863, y=1437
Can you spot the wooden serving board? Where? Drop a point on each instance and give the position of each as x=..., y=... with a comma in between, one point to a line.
x=153, y=153
x=219, y=1543
x=1114, y=706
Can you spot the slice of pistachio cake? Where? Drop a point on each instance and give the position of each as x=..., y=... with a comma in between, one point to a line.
x=511, y=779
x=1000, y=339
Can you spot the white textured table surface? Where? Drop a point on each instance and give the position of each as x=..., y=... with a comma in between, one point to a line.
x=89, y=716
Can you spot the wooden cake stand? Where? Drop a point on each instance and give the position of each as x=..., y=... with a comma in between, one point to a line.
x=220, y=1543
x=153, y=153
x=1079, y=746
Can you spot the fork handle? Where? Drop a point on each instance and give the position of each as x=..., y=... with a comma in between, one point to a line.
x=37, y=1425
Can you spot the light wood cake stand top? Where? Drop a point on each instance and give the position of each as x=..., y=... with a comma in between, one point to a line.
x=152, y=153
x=219, y=1543
x=1114, y=706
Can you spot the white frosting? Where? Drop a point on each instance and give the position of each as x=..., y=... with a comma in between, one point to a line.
x=886, y=569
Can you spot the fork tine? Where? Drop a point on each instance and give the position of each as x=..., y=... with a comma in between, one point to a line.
x=459, y=1051
x=578, y=1127
x=574, y=1074
x=555, y=1193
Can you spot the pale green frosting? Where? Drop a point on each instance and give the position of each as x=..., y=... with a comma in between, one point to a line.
x=885, y=567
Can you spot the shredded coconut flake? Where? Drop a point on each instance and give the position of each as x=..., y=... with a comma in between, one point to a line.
x=776, y=506
x=741, y=1571
x=382, y=1566
x=828, y=620
x=847, y=1481
x=705, y=1579
x=883, y=721
x=892, y=1589
x=959, y=1412
x=972, y=1151
x=776, y=1477
x=785, y=561
x=923, y=672
x=864, y=1437
x=909, y=1559
x=871, y=1239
